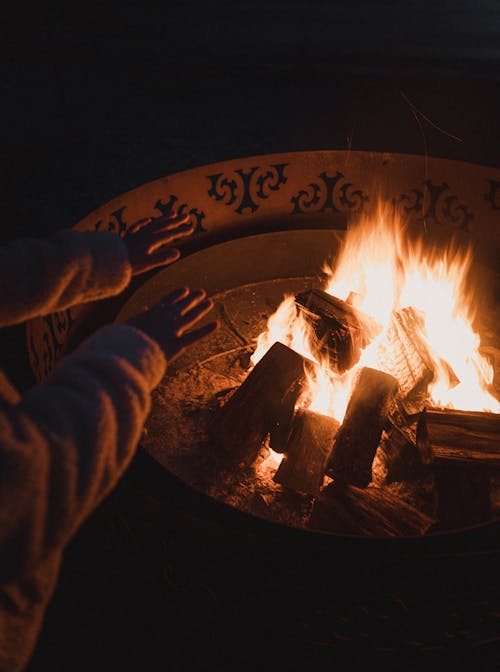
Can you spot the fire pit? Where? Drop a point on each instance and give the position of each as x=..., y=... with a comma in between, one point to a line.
x=300, y=253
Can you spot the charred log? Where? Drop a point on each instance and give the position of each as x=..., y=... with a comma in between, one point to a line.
x=466, y=437
x=404, y=452
x=339, y=327
x=371, y=512
x=262, y=405
x=466, y=446
x=308, y=447
x=407, y=357
x=360, y=433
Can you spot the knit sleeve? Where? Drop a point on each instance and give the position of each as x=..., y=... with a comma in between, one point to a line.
x=66, y=444
x=38, y=277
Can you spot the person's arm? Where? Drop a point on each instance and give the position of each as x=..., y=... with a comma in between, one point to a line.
x=65, y=445
x=38, y=277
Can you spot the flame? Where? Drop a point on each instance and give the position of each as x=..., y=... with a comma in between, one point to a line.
x=380, y=269
x=326, y=392
x=366, y=266
x=267, y=468
x=289, y=327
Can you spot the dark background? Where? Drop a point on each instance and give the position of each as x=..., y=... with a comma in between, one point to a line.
x=98, y=100
x=101, y=98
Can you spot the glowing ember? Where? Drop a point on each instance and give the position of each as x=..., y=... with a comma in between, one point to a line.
x=384, y=271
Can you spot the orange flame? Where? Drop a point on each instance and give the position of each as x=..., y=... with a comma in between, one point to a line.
x=386, y=270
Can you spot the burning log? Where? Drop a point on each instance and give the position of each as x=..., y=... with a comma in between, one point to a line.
x=464, y=436
x=359, y=435
x=372, y=512
x=342, y=329
x=407, y=357
x=308, y=447
x=262, y=405
x=466, y=445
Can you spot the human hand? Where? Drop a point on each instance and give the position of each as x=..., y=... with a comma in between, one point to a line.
x=169, y=321
x=148, y=241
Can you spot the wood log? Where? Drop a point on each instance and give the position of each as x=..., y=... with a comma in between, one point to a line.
x=371, y=512
x=404, y=452
x=339, y=327
x=360, y=433
x=262, y=405
x=467, y=437
x=406, y=355
x=308, y=447
x=466, y=447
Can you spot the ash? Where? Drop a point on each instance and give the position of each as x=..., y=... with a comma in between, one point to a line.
x=177, y=436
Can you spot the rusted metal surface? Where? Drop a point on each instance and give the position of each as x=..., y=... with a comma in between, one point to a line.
x=296, y=191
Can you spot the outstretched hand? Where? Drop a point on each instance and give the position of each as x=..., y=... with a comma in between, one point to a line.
x=169, y=321
x=148, y=241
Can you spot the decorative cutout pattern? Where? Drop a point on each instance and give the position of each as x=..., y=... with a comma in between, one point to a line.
x=168, y=207
x=435, y=202
x=248, y=187
x=331, y=193
x=493, y=195
x=117, y=223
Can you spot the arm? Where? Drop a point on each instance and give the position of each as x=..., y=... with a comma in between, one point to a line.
x=66, y=444
x=64, y=447
x=38, y=277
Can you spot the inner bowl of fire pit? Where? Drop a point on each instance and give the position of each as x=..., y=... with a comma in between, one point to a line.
x=248, y=279
x=266, y=228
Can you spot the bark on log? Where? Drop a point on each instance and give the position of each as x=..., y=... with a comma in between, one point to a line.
x=262, y=405
x=404, y=452
x=360, y=433
x=371, y=512
x=466, y=437
x=339, y=327
x=308, y=447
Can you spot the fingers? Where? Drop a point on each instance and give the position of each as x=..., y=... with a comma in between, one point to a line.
x=170, y=321
x=185, y=307
x=172, y=221
x=164, y=222
x=188, y=339
x=162, y=257
x=148, y=241
x=166, y=235
x=193, y=316
x=173, y=297
x=139, y=225
x=190, y=301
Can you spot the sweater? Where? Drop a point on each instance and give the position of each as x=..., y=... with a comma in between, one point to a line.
x=65, y=442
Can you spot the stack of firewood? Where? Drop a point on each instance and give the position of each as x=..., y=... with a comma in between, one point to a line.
x=389, y=433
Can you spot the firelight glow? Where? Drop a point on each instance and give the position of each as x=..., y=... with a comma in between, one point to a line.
x=379, y=266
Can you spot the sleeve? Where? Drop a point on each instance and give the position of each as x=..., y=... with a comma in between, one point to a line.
x=66, y=444
x=38, y=277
